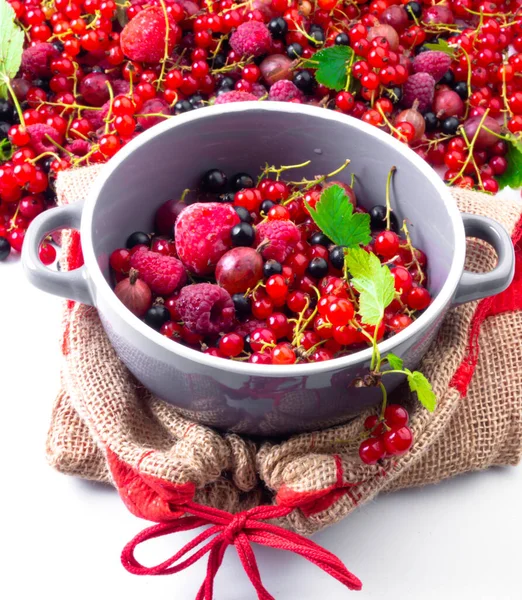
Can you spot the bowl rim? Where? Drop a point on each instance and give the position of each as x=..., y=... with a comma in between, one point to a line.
x=103, y=288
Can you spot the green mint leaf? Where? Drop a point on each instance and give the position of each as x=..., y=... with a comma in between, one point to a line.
x=332, y=66
x=11, y=46
x=373, y=281
x=512, y=176
x=396, y=363
x=334, y=216
x=419, y=384
x=6, y=149
x=121, y=12
x=442, y=46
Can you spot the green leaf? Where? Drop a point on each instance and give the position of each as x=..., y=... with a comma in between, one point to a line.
x=442, y=46
x=512, y=176
x=121, y=12
x=11, y=46
x=334, y=216
x=396, y=363
x=373, y=281
x=332, y=66
x=6, y=149
x=419, y=384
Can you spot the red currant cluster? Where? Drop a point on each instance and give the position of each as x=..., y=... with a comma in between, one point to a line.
x=285, y=283
x=387, y=436
x=90, y=82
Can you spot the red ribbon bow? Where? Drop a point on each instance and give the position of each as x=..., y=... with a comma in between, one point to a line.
x=240, y=530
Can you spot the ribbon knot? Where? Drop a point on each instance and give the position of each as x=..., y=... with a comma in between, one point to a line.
x=239, y=530
x=235, y=527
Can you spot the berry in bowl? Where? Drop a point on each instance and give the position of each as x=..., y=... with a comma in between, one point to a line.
x=261, y=269
x=178, y=341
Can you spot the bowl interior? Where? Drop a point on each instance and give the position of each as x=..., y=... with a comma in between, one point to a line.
x=172, y=157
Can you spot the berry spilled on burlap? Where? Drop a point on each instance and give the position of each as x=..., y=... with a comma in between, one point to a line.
x=108, y=428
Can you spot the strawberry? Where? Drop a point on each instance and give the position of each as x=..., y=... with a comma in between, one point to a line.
x=143, y=38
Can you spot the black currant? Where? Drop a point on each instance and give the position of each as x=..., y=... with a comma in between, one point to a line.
x=461, y=88
x=241, y=181
x=6, y=111
x=42, y=83
x=294, y=50
x=5, y=248
x=315, y=27
x=137, y=238
x=182, y=106
x=214, y=181
x=272, y=267
x=220, y=60
x=278, y=28
x=4, y=129
x=319, y=239
x=304, y=81
x=242, y=234
x=337, y=257
x=224, y=90
x=378, y=218
x=247, y=346
x=156, y=316
x=243, y=214
x=394, y=94
x=319, y=38
x=58, y=45
x=226, y=197
x=450, y=126
x=432, y=122
x=196, y=101
x=46, y=163
x=448, y=78
x=227, y=82
x=266, y=205
x=422, y=48
x=414, y=10
x=241, y=304
x=342, y=39
x=318, y=268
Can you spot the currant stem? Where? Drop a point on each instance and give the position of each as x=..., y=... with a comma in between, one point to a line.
x=412, y=250
x=388, y=205
x=15, y=102
x=384, y=399
x=166, y=47
x=470, y=148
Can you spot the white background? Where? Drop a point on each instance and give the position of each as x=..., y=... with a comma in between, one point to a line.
x=61, y=538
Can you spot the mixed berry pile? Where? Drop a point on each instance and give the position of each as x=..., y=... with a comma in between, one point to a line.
x=86, y=76
x=247, y=272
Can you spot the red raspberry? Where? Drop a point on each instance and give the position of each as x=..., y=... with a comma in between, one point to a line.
x=163, y=274
x=433, y=62
x=420, y=87
x=143, y=38
x=202, y=235
x=78, y=147
x=282, y=237
x=228, y=97
x=36, y=59
x=259, y=90
x=247, y=327
x=251, y=39
x=284, y=91
x=39, y=141
x=206, y=308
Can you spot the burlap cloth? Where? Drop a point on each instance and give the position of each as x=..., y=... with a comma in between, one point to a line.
x=106, y=427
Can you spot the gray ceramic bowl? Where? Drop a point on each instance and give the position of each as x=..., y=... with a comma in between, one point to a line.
x=160, y=163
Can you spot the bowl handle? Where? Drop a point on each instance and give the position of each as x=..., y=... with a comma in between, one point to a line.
x=69, y=284
x=473, y=286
